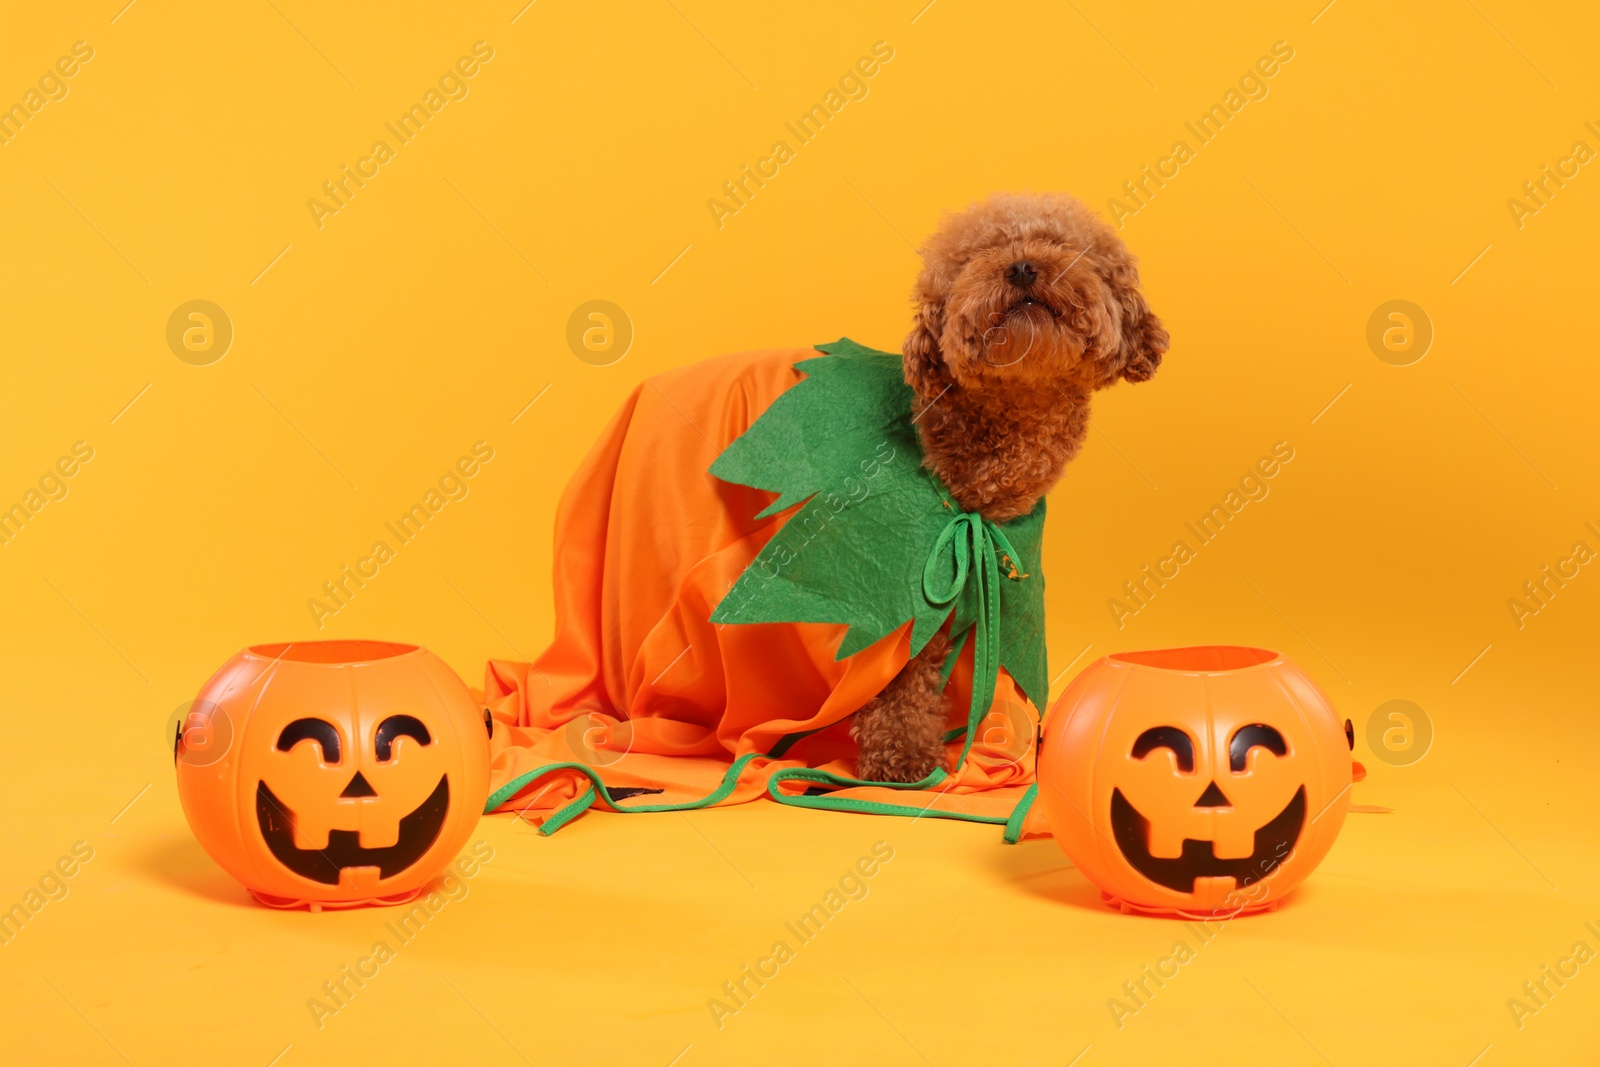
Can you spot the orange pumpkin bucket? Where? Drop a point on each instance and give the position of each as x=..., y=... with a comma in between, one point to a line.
x=333, y=773
x=1195, y=781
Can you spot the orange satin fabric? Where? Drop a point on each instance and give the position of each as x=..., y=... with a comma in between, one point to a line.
x=638, y=684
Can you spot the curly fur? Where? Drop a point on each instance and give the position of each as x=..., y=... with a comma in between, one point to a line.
x=1002, y=370
x=900, y=733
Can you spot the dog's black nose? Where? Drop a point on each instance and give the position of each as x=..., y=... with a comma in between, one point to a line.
x=1021, y=274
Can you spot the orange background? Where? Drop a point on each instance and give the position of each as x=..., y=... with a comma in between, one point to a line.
x=429, y=311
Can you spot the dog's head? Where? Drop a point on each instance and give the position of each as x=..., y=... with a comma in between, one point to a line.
x=1029, y=287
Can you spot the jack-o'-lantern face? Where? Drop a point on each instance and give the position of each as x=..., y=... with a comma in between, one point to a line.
x=355, y=772
x=318, y=829
x=1236, y=817
x=1197, y=780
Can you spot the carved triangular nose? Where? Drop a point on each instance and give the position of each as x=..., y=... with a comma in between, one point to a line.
x=360, y=787
x=1211, y=798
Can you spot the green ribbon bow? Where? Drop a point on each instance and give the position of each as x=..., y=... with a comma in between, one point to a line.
x=977, y=548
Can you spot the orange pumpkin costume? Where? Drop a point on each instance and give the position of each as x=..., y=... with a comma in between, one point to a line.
x=642, y=703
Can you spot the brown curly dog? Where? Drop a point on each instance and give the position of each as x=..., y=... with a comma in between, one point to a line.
x=1027, y=303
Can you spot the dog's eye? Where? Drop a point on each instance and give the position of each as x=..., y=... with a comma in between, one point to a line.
x=323, y=733
x=1252, y=736
x=1166, y=737
x=399, y=726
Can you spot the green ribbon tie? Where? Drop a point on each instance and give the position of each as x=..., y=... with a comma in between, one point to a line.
x=975, y=546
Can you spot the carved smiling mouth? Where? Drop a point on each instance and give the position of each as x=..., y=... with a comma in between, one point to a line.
x=418, y=831
x=1199, y=858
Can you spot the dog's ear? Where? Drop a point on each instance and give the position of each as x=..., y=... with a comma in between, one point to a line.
x=1144, y=339
x=925, y=368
